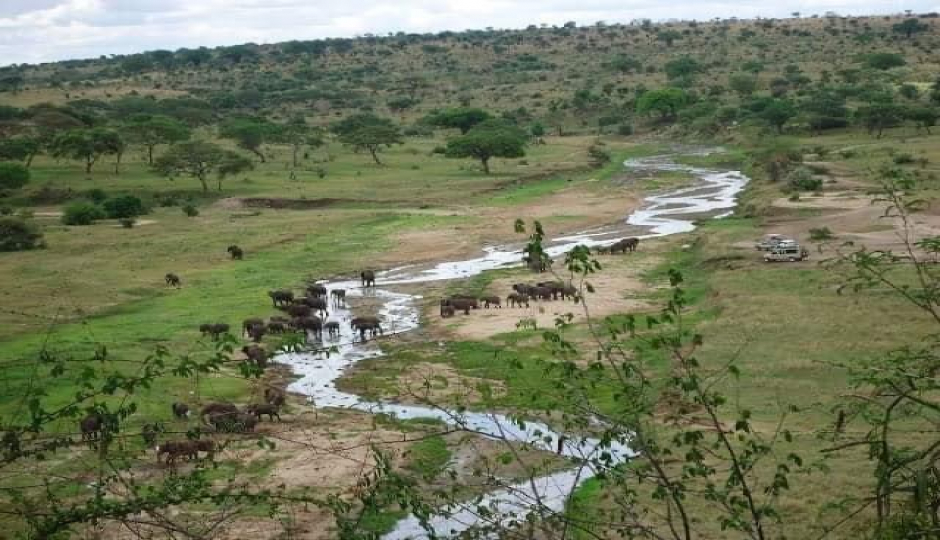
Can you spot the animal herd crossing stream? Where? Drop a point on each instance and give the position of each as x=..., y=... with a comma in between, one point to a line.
x=712, y=195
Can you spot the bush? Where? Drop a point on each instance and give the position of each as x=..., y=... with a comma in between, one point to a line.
x=6, y=210
x=190, y=210
x=802, y=179
x=127, y=222
x=13, y=175
x=821, y=233
x=96, y=195
x=82, y=213
x=126, y=206
x=439, y=150
x=903, y=159
x=625, y=129
x=18, y=235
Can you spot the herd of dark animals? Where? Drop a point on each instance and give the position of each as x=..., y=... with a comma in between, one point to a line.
x=523, y=293
x=305, y=314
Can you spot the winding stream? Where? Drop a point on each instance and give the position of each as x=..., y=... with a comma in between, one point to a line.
x=712, y=195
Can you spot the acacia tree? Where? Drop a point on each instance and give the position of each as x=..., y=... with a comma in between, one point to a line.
x=249, y=134
x=199, y=160
x=462, y=118
x=665, y=101
x=88, y=145
x=368, y=132
x=493, y=138
x=909, y=27
x=298, y=134
x=20, y=148
x=151, y=130
x=777, y=113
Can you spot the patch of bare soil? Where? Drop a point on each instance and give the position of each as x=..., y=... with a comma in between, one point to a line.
x=851, y=216
x=617, y=288
x=443, y=384
x=565, y=211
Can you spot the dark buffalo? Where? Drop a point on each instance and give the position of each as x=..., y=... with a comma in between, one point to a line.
x=177, y=449
x=172, y=280
x=317, y=304
x=332, y=329
x=316, y=290
x=367, y=277
x=91, y=427
x=180, y=410
x=517, y=300
x=256, y=355
x=247, y=324
x=491, y=301
x=235, y=252
x=338, y=297
x=214, y=330
x=259, y=409
x=275, y=396
x=281, y=298
x=298, y=310
x=216, y=408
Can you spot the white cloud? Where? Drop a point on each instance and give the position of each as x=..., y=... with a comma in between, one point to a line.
x=44, y=30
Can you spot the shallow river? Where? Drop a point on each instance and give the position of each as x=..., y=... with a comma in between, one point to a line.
x=711, y=196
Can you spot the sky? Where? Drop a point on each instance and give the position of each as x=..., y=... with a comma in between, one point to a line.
x=33, y=31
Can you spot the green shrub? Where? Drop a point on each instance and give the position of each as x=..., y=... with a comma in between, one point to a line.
x=802, y=179
x=903, y=159
x=82, y=213
x=625, y=129
x=6, y=210
x=821, y=233
x=127, y=223
x=847, y=153
x=13, y=175
x=794, y=197
x=17, y=234
x=190, y=210
x=439, y=150
x=96, y=195
x=126, y=206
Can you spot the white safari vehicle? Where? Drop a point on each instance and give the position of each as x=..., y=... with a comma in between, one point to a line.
x=786, y=251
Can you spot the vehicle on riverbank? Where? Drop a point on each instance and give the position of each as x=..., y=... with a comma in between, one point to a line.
x=786, y=251
x=770, y=241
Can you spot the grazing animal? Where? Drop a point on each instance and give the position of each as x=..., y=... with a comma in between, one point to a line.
x=338, y=296
x=631, y=243
x=489, y=301
x=281, y=298
x=176, y=449
x=276, y=327
x=517, y=300
x=172, y=280
x=259, y=409
x=256, y=354
x=205, y=445
x=556, y=288
x=459, y=304
x=317, y=304
x=570, y=292
x=150, y=432
x=247, y=324
x=275, y=396
x=298, y=310
x=366, y=325
x=541, y=293
x=332, y=329
x=180, y=410
x=368, y=278
x=474, y=301
x=311, y=324
x=214, y=330
x=256, y=333
x=91, y=427
x=447, y=311
x=236, y=252
x=316, y=290
x=215, y=407
x=233, y=422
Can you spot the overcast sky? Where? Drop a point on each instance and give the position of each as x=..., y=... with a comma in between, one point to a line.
x=43, y=30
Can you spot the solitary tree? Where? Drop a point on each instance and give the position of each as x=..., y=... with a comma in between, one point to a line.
x=249, y=134
x=489, y=139
x=878, y=115
x=777, y=113
x=925, y=117
x=909, y=27
x=665, y=101
x=88, y=145
x=151, y=130
x=368, y=132
x=462, y=118
x=20, y=148
x=199, y=159
x=298, y=134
